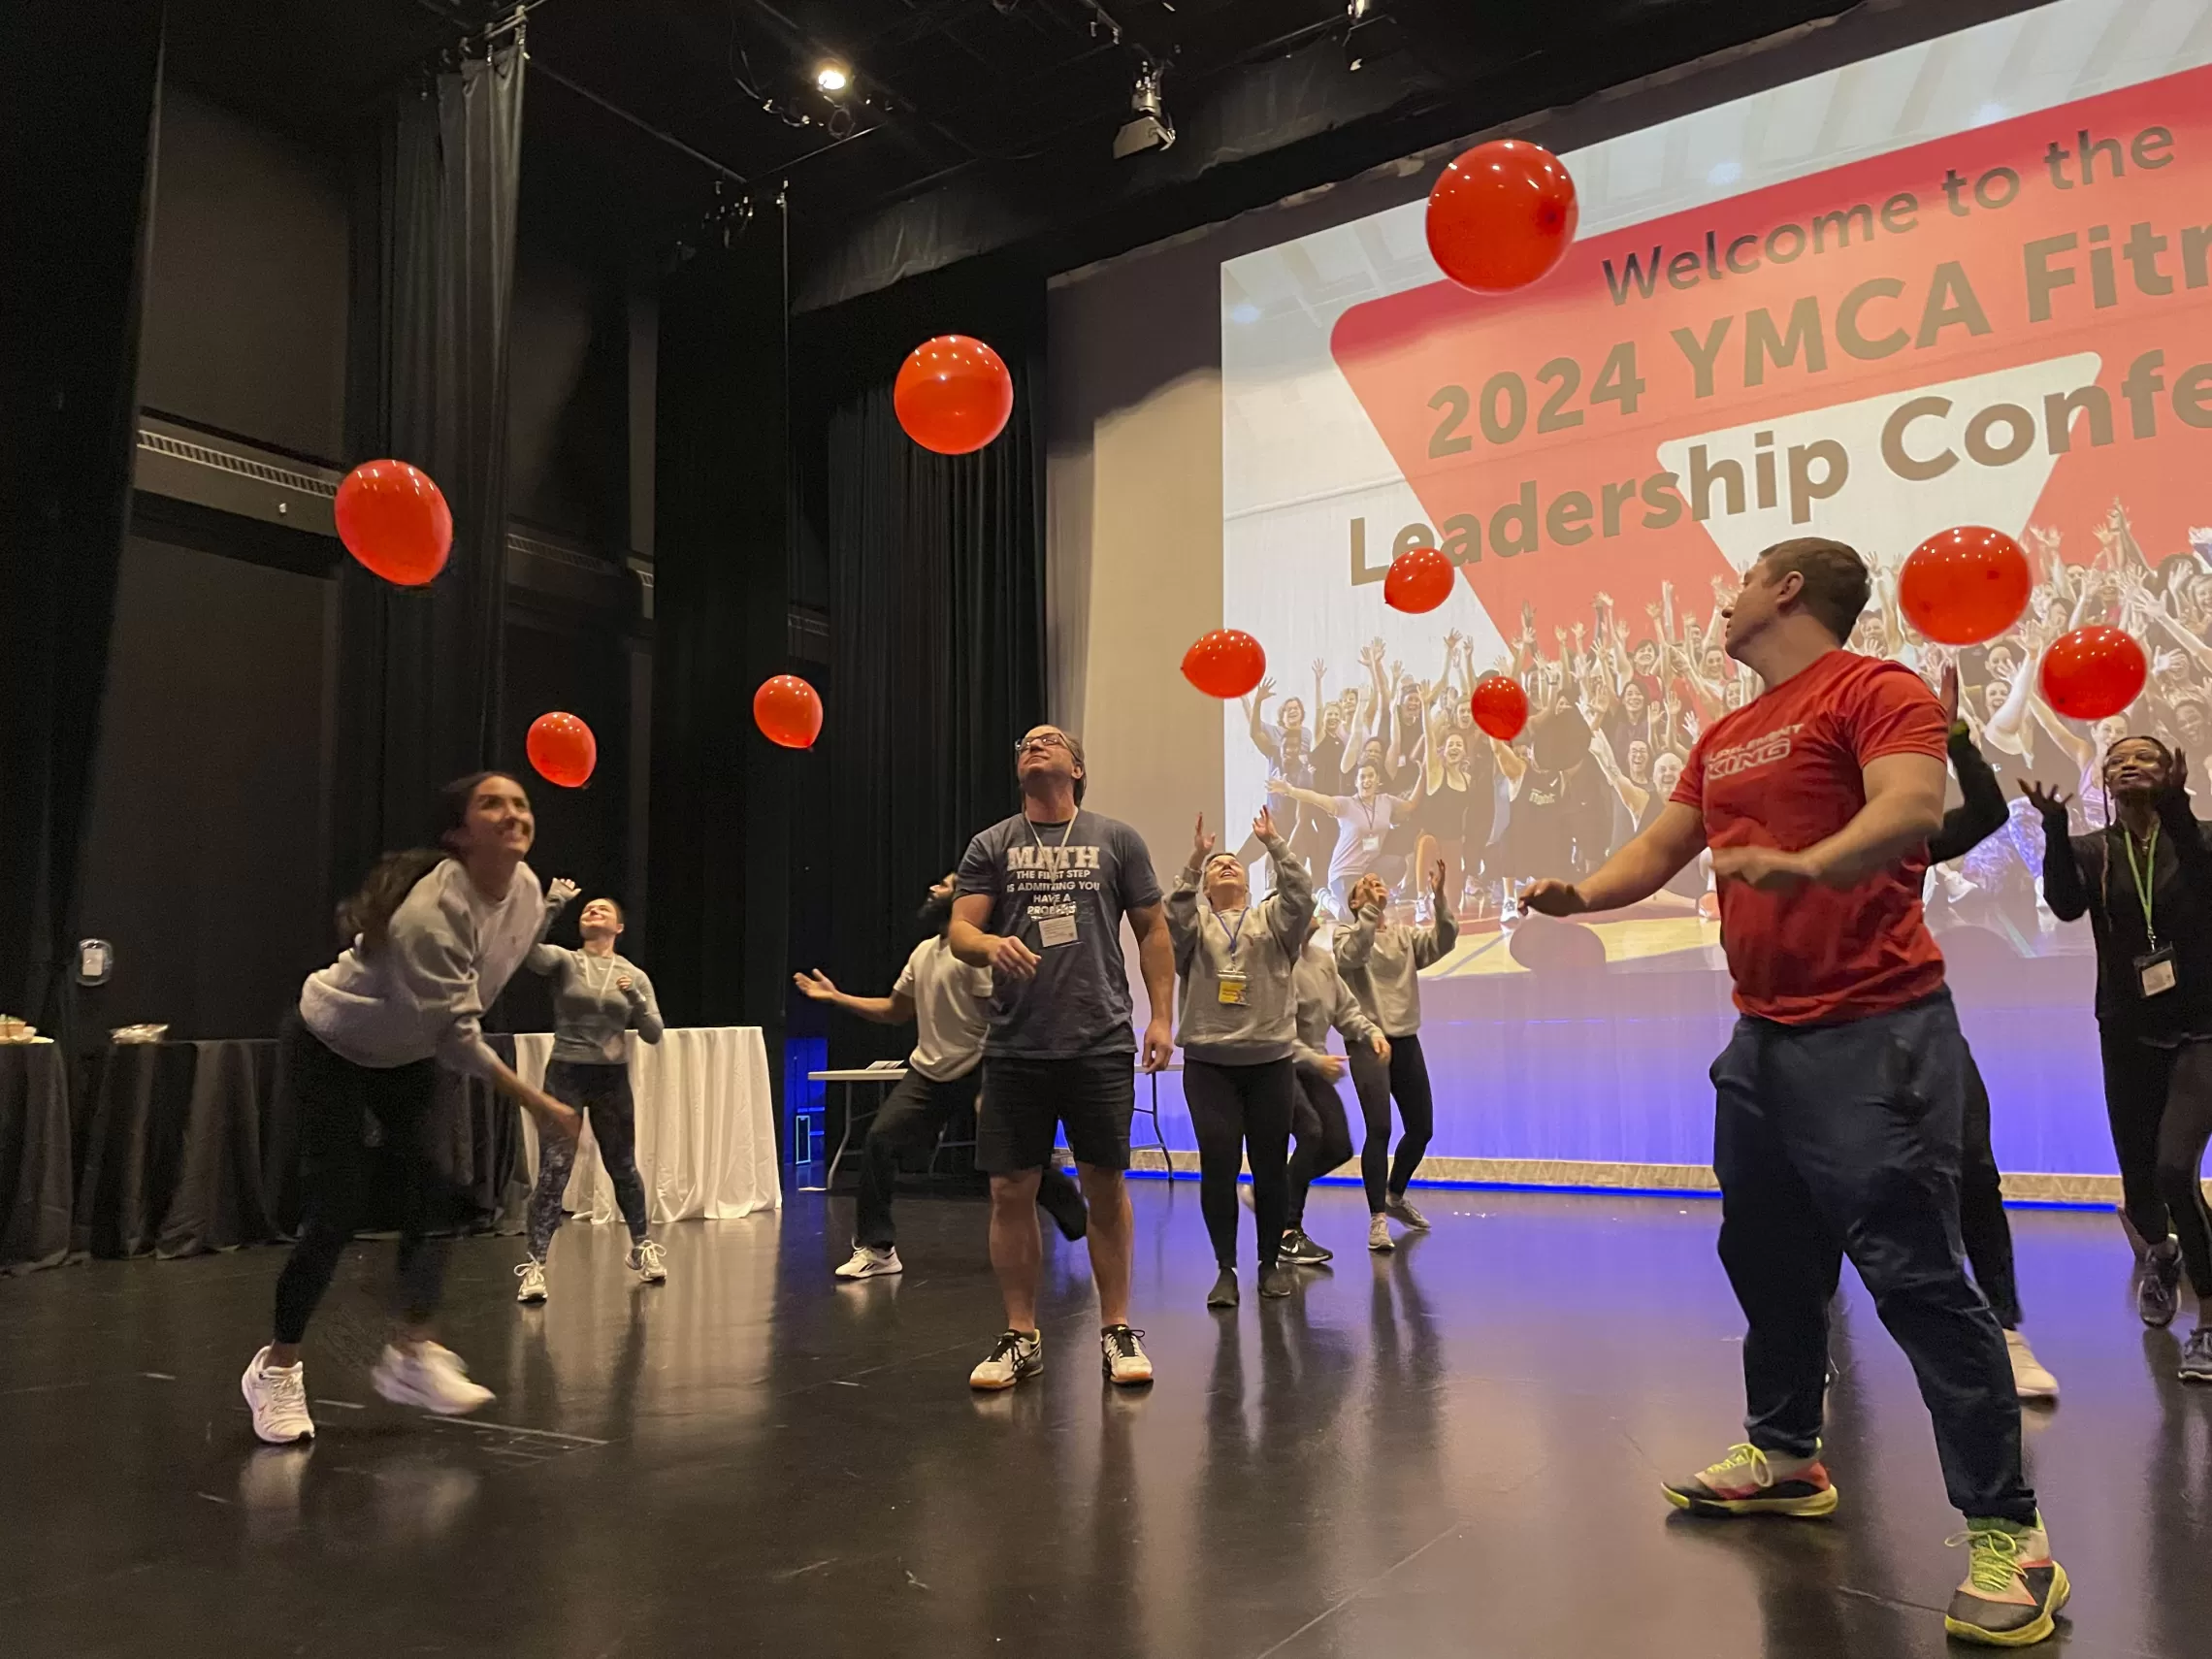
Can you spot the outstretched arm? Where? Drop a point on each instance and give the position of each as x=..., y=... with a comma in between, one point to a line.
x=1633, y=874
x=816, y=986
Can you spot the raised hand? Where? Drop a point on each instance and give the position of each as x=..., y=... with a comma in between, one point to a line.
x=1265, y=690
x=1201, y=843
x=2177, y=777
x=623, y=984
x=1262, y=826
x=1320, y=668
x=561, y=890
x=2048, y=801
x=1436, y=881
x=814, y=984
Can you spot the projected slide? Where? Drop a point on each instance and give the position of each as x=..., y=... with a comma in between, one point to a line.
x=1968, y=281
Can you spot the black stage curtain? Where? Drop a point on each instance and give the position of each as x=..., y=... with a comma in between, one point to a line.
x=936, y=569
x=722, y=794
x=419, y=669
x=79, y=90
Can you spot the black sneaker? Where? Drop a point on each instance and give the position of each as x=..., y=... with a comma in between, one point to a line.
x=1225, y=1291
x=1063, y=1201
x=2157, y=1292
x=2195, y=1355
x=1302, y=1252
x=1275, y=1280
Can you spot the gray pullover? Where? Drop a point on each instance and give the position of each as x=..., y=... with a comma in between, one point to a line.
x=1324, y=1000
x=1380, y=961
x=1262, y=943
x=591, y=1010
x=446, y=957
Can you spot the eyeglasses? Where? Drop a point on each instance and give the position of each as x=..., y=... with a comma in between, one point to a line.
x=1042, y=740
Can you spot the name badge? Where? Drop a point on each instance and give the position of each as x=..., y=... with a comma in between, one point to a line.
x=1055, y=930
x=2154, y=972
x=1233, y=988
x=1371, y=843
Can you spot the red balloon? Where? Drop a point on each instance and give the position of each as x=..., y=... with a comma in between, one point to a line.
x=1226, y=662
x=1501, y=706
x=788, y=712
x=1963, y=586
x=2094, y=673
x=563, y=749
x=1501, y=216
x=952, y=395
x=394, y=520
x=1420, y=580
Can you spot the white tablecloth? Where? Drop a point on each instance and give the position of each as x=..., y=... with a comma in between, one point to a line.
x=707, y=1134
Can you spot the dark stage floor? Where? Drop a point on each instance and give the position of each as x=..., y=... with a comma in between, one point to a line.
x=1452, y=1451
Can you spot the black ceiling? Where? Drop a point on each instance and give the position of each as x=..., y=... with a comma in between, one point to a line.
x=1012, y=99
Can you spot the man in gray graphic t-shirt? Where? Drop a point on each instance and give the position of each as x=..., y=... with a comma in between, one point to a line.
x=1042, y=899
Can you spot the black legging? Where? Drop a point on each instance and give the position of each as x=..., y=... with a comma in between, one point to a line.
x=1236, y=1109
x=335, y=1101
x=1982, y=1223
x=1406, y=1077
x=2159, y=1100
x=1323, y=1136
x=602, y=1093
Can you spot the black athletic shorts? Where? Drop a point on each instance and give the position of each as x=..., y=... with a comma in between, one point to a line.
x=1025, y=1100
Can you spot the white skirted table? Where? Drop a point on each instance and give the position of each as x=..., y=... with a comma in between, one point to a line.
x=706, y=1133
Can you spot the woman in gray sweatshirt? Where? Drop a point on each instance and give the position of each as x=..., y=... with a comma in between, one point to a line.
x=437, y=934
x=1324, y=1139
x=1239, y=1023
x=599, y=996
x=1380, y=961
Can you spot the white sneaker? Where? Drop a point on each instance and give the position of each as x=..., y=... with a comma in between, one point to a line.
x=430, y=1376
x=278, y=1397
x=868, y=1262
x=2031, y=1381
x=1402, y=1208
x=649, y=1261
x=1014, y=1356
x=1378, y=1238
x=1122, y=1357
x=532, y=1273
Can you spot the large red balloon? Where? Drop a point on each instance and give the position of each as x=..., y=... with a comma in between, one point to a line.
x=393, y=519
x=1501, y=216
x=1501, y=706
x=1420, y=580
x=1963, y=586
x=563, y=749
x=788, y=712
x=2094, y=673
x=1226, y=662
x=953, y=394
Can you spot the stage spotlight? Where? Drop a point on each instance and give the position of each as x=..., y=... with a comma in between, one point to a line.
x=833, y=77
x=1148, y=127
x=1369, y=35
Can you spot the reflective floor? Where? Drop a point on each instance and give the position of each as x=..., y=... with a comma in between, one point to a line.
x=1454, y=1450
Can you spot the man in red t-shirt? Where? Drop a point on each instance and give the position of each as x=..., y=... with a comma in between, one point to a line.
x=1841, y=1094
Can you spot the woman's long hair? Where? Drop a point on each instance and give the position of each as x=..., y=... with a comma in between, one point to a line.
x=366, y=917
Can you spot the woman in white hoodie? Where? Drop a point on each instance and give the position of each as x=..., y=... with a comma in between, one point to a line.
x=436, y=934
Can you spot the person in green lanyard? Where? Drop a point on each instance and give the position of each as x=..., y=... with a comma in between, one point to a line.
x=2145, y=883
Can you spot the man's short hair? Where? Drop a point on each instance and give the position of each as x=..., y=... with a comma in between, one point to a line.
x=1836, y=586
x=1075, y=753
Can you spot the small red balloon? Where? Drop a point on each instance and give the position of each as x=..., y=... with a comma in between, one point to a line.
x=953, y=394
x=393, y=519
x=1502, y=215
x=1420, y=580
x=1963, y=586
x=1501, y=706
x=788, y=712
x=563, y=749
x=1226, y=662
x=2094, y=673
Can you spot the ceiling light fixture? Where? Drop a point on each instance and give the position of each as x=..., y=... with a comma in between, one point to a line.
x=1369, y=34
x=1148, y=127
x=833, y=77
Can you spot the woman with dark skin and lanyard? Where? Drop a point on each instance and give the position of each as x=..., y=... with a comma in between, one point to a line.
x=2145, y=883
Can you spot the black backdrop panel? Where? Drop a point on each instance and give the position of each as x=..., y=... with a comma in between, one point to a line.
x=204, y=862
